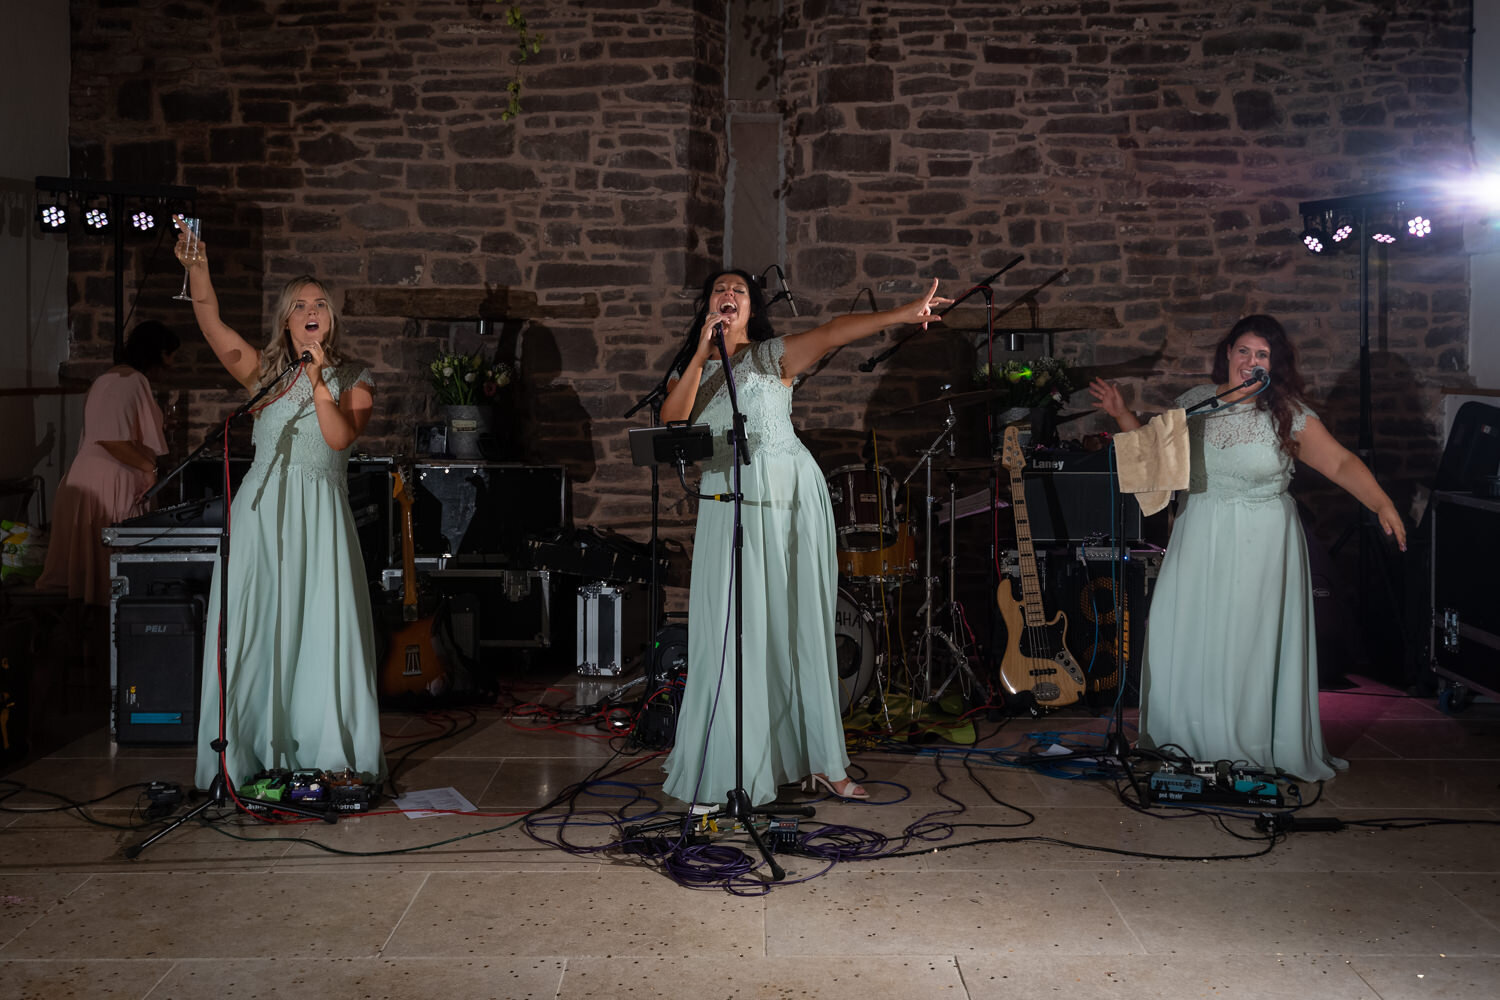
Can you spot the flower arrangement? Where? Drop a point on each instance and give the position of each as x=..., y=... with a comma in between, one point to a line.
x=467, y=379
x=1040, y=382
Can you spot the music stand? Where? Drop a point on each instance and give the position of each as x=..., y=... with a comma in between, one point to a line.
x=678, y=443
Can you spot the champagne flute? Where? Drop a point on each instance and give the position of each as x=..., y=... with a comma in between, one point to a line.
x=191, y=228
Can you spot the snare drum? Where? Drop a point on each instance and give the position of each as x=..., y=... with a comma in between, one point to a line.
x=892, y=564
x=854, y=640
x=864, y=507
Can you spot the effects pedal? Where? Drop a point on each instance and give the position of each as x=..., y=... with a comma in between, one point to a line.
x=1218, y=783
x=781, y=836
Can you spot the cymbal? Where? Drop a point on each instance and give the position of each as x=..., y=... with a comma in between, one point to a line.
x=950, y=398
x=965, y=465
x=1045, y=331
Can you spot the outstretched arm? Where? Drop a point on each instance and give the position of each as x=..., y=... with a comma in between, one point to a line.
x=1317, y=448
x=233, y=351
x=802, y=350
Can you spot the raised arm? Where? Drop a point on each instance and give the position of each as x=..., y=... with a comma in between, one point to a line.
x=235, y=353
x=802, y=350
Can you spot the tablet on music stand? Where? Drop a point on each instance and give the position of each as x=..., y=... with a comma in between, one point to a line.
x=676, y=442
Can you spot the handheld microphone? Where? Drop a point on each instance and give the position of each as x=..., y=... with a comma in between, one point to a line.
x=1257, y=375
x=306, y=358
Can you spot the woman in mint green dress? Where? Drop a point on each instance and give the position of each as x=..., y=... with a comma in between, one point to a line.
x=300, y=654
x=1231, y=666
x=793, y=728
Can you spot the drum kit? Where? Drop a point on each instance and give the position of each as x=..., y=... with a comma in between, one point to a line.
x=885, y=546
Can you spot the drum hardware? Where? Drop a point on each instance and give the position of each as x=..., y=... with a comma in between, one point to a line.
x=932, y=637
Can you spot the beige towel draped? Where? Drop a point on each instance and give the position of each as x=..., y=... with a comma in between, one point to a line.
x=1152, y=461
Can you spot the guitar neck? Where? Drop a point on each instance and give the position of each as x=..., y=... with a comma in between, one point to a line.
x=1031, y=589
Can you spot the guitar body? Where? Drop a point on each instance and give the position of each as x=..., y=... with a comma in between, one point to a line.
x=1036, y=656
x=413, y=665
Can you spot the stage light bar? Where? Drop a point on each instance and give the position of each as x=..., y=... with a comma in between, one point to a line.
x=143, y=221
x=1419, y=227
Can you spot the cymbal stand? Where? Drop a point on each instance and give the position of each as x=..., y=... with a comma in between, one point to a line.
x=930, y=634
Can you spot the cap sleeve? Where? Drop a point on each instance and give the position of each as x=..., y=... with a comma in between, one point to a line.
x=1300, y=418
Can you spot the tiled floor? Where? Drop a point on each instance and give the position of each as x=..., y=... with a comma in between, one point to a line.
x=1057, y=900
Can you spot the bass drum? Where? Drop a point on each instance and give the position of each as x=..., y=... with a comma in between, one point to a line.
x=854, y=640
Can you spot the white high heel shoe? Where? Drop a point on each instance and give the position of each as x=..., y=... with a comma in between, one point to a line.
x=846, y=789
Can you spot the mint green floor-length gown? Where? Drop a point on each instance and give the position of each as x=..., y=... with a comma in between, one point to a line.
x=301, y=650
x=791, y=707
x=1231, y=663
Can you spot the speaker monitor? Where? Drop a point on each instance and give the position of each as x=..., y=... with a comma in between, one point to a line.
x=1472, y=451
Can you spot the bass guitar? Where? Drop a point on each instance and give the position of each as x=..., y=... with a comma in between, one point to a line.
x=1036, y=651
x=413, y=664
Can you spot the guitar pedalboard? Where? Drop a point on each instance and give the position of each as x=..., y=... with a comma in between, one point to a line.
x=1217, y=783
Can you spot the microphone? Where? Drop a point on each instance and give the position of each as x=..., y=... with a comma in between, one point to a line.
x=295, y=365
x=1257, y=374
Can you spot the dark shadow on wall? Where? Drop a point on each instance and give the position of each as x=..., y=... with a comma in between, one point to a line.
x=556, y=428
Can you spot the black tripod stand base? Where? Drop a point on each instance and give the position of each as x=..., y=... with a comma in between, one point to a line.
x=217, y=795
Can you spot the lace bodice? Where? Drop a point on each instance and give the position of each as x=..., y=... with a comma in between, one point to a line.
x=764, y=399
x=288, y=439
x=1235, y=453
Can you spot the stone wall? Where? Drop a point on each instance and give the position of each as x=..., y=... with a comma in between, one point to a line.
x=1145, y=160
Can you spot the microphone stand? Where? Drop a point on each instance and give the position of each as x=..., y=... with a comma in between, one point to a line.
x=219, y=789
x=737, y=804
x=1213, y=402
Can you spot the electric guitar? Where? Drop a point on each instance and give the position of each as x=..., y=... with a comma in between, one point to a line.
x=1036, y=653
x=413, y=664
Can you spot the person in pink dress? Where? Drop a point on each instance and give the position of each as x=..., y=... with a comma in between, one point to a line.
x=116, y=463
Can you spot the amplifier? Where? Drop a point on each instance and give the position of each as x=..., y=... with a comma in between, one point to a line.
x=488, y=510
x=158, y=659
x=1072, y=496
